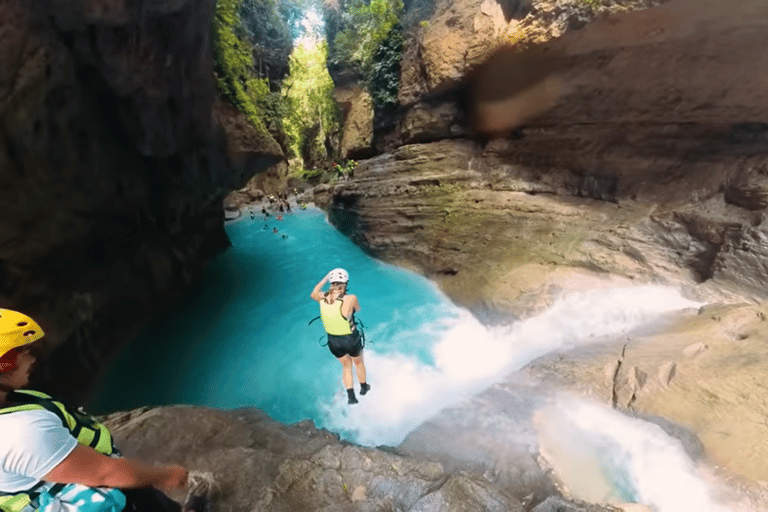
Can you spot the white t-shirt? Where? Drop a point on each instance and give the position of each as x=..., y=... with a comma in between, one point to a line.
x=32, y=443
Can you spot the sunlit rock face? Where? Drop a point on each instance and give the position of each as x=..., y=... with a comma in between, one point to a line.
x=653, y=143
x=357, y=116
x=643, y=160
x=113, y=170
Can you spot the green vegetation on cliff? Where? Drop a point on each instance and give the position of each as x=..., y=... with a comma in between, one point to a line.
x=366, y=37
x=234, y=64
x=252, y=42
x=312, y=114
x=357, y=29
x=286, y=91
x=384, y=81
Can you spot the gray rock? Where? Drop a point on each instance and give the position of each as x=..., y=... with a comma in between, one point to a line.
x=555, y=504
x=465, y=493
x=259, y=464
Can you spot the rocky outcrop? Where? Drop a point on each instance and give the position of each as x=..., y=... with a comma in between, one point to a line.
x=357, y=120
x=259, y=464
x=501, y=236
x=456, y=36
x=653, y=149
x=114, y=169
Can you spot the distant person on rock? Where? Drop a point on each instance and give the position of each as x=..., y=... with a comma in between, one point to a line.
x=54, y=458
x=337, y=311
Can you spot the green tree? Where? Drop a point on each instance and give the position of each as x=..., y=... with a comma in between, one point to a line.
x=271, y=26
x=312, y=113
x=384, y=81
x=360, y=27
x=234, y=63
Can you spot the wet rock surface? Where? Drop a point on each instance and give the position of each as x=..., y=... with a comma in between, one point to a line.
x=259, y=464
x=706, y=370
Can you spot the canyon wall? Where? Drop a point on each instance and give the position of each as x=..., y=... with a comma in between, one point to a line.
x=114, y=168
x=578, y=149
x=632, y=146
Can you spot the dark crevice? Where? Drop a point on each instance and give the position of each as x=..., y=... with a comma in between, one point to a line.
x=515, y=9
x=343, y=215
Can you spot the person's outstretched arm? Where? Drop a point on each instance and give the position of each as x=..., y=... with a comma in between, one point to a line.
x=86, y=466
x=317, y=294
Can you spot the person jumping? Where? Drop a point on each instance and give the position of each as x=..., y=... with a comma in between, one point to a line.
x=337, y=311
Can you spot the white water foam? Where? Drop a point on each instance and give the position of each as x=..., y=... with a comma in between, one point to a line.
x=470, y=357
x=627, y=453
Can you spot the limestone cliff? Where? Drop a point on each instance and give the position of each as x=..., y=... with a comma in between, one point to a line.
x=113, y=169
x=654, y=147
x=628, y=147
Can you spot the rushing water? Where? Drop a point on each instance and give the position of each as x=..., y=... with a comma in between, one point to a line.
x=242, y=339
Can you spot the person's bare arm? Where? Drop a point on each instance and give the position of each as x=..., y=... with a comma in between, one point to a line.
x=317, y=294
x=350, y=305
x=88, y=467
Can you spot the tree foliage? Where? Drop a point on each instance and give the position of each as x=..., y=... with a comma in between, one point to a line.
x=357, y=29
x=312, y=113
x=271, y=26
x=234, y=63
x=252, y=42
x=384, y=81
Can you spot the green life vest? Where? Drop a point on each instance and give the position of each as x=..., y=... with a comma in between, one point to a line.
x=83, y=427
x=333, y=321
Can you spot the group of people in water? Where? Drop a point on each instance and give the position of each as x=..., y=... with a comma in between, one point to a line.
x=54, y=458
x=280, y=204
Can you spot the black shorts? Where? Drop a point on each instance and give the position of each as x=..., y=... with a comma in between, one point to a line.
x=349, y=344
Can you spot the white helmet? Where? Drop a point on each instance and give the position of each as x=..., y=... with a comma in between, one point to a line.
x=338, y=275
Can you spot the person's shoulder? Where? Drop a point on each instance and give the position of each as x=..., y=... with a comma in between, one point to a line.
x=20, y=424
x=37, y=416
